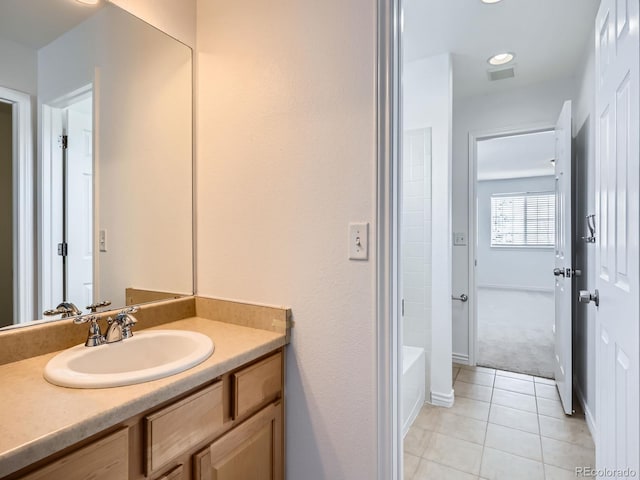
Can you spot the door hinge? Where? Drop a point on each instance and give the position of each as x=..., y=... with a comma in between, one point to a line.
x=402, y=307
x=63, y=249
x=63, y=141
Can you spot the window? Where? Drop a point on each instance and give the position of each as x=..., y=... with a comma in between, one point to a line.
x=523, y=220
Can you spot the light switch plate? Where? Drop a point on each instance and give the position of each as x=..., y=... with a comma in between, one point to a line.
x=459, y=238
x=358, y=241
x=102, y=240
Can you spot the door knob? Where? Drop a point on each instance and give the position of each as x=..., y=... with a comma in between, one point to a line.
x=558, y=272
x=586, y=297
x=462, y=298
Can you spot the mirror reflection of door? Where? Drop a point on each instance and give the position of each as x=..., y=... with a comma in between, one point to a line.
x=79, y=204
x=6, y=214
x=69, y=182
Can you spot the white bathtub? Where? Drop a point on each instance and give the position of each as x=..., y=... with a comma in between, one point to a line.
x=413, y=391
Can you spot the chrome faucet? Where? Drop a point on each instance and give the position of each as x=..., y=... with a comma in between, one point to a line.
x=120, y=326
x=66, y=309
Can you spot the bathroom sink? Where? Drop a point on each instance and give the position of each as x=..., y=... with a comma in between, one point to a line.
x=146, y=356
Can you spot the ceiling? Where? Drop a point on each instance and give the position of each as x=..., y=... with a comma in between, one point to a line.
x=549, y=38
x=516, y=156
x=36, y=23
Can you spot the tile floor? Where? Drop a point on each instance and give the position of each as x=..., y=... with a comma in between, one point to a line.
x=503, y=426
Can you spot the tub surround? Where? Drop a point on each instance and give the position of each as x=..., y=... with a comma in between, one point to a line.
x=413, y=385
x=39, y=419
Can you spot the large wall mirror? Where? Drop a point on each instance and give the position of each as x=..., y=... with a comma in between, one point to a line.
x=95, y=159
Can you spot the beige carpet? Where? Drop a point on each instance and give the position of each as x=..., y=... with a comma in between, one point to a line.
x=515, y=331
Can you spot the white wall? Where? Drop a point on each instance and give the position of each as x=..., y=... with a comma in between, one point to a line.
x=175, y=17
x=18, y=67
x=286, y=159
x=584, y=332
x=532, y=105
x=508, y=267
x=143, y=146
x=427, y=103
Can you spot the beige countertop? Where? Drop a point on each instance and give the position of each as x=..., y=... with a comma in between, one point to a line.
x=38, y=419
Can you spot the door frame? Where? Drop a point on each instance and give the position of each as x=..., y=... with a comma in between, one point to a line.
x=474, y=138
x=387, y=304
x=23, y=205
x=49, y=111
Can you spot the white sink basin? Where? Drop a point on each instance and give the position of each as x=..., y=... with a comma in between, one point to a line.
x=146, y=356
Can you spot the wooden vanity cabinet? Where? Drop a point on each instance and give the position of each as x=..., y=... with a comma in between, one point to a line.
x=228, y=429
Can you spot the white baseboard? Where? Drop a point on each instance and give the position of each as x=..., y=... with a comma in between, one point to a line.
x=520, y=288
x=460, y=358
x=442, y=399
x=591, y=422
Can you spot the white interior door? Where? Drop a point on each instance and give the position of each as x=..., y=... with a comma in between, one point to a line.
x=80, y=204
x=51, y=281
x=563, y=260
x=617, y=213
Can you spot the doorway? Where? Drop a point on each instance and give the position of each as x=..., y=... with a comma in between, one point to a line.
x=68, y=261
x=514, y=237
x=497, y=84
x=18, y=299
x=6, y=214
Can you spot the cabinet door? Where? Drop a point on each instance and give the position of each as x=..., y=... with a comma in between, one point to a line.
x=251, y=451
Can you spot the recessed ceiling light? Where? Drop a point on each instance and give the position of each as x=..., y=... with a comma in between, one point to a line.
x=89, y=2
x=491, y=1
x=501, y=58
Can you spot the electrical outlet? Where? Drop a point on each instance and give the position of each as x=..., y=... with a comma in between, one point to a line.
x=459, y=238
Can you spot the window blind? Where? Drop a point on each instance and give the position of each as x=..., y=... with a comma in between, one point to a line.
x=523, y=220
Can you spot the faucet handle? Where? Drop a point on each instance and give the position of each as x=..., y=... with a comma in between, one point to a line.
x=93, y=308
x=95, y=337
x=85, y=319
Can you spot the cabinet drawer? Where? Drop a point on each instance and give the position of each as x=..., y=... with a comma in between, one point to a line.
x=104, y=459
x=257, y=385
x=179, y=427
x=175, y=474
